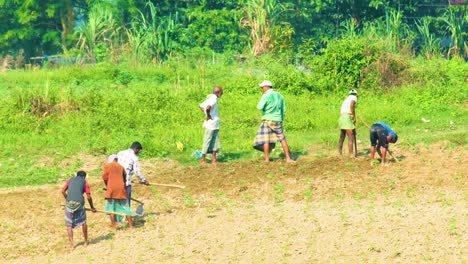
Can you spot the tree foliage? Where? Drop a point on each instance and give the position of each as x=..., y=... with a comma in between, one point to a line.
x=154, y=30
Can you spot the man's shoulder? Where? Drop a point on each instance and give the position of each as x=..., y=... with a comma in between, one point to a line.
x=113, y=165
x=125, y=152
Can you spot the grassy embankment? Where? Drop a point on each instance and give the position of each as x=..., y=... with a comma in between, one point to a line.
x=50, y=116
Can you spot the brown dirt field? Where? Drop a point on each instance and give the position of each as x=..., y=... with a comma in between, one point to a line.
x=322, y=209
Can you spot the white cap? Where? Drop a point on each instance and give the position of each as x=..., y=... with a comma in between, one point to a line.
x=353, y=91
x=111, y=158
x=265, y=83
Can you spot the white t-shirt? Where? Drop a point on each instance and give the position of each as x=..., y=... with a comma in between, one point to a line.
x=213, y=123
x=346, y=106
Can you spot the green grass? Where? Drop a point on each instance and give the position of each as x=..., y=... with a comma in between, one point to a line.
x=57, y=113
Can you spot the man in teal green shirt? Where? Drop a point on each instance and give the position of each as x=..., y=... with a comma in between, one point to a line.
x=271, y=130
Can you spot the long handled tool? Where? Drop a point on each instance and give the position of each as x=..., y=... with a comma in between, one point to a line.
x=114, y=213
x=389, y=152
x=355, y=143
x=168, y=185
x=100, y=211
x=140, y=210
x=133, y=199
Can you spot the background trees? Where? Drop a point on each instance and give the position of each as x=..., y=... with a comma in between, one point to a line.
x=155, y=30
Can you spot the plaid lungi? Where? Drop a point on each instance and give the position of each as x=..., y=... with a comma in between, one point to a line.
x=75, y=214
x=269, y=132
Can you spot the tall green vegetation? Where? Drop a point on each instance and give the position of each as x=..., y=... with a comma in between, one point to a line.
x=260, y=17
x=430, y=44
x=157, y=30
x=157, y=60
x=457, y=30
x=52, y=118
x=98, y=33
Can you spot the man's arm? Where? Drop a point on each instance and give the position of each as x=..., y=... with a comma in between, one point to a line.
x=353, y=111
x=105, y=175
x=136, y=169
x=64, y=190
x=87, y=190
x=90, y=201
x=207, y=112
x=261, y=104
x=379, y=152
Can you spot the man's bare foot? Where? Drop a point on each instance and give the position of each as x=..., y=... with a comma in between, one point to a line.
x=86, y=243
x=290, y=161
x=202, y=162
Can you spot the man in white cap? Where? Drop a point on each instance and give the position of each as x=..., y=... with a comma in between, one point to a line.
x=347, y=123
x=271, y=130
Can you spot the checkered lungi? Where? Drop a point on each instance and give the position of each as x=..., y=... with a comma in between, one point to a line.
x=269, y=132
x=75, y=214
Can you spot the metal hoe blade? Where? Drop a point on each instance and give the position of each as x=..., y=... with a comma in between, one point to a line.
x=139, y=211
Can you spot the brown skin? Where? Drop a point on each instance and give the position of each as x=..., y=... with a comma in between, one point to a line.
x=348, y=132
x=284, y=143
x=382, y=152
x=84, y=226
x=136, y=151
x=218, y=92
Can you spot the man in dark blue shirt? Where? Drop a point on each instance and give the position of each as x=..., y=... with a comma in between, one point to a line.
x=381, y=135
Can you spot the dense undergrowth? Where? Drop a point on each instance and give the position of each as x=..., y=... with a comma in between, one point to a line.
x=54, y=114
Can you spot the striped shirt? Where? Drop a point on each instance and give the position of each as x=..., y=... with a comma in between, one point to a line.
x=129, y=161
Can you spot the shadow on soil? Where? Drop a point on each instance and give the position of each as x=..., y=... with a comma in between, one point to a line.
x=139, y=221
x=98, y=239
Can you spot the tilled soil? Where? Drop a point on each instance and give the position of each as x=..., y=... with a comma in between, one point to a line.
x=319, y=210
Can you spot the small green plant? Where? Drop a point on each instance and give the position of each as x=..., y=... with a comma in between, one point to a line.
x=188, y=199
x=242, y=185
x=453, y=229
x=308, y=194
x=124, y=78
x=278, y=193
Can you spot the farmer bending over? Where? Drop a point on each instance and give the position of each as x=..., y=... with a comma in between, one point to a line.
x=75, y=213
x=380, y=136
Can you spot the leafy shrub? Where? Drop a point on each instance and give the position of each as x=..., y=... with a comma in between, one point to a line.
x=387, y=71
x=340, y=65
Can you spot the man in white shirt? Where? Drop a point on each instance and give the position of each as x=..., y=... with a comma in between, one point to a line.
x=211, y=143
x=347, y=122
x=129, y=160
